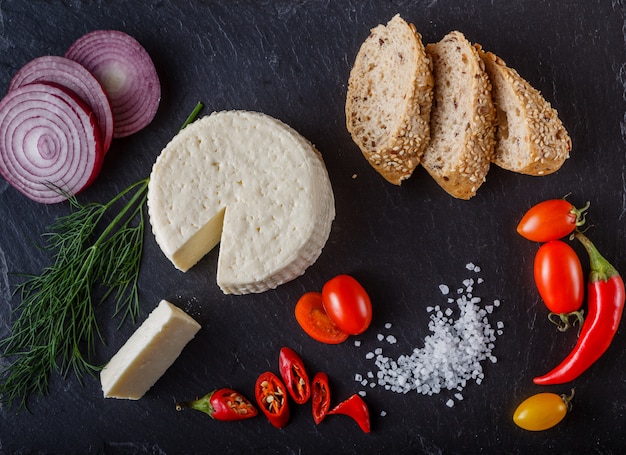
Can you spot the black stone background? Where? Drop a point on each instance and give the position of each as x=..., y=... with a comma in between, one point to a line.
x=291, y=60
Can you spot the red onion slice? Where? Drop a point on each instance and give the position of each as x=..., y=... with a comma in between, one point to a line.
x=78, y=79
x=127, y=74
x=49, y=140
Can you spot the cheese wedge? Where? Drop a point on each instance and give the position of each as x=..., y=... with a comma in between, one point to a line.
x=251, y=183
x=148, y=353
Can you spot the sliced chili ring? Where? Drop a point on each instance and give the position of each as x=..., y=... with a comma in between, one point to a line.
x=271, y=396
x=320, y=396
x=294, y=375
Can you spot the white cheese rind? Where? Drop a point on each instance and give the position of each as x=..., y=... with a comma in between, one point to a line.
x=250, y=182
x=148, y=353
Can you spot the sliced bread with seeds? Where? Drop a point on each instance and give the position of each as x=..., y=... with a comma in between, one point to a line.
x=530, y=137
x=462, y=118
x=389, y=99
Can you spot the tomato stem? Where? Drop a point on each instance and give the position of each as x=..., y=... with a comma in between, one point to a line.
x=567, y=399
x=562, y=320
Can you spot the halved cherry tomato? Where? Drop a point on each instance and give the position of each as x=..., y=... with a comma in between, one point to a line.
x=314, y=320
x=559, y=278
x=320, y=396
x=542, y=411
x=356, y=408
x=551, y=220
x=294, y=375
x=271, y=396
x=347, y=304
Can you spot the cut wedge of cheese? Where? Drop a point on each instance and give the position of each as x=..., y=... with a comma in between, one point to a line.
x=148, y=353
x=251, y=183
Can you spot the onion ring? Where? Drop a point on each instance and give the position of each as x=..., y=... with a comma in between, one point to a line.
x=78, y=79
x=127, y=73
x=50, y=144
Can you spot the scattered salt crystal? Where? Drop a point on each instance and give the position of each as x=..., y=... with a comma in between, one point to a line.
x=480, y=281
x=470, y=266
x=450, y=356
x=383, y=413
x=370, y=374
x=363, y=393
x=357, y=343
x=445, y=290
x=358, y=377
x=380, y=337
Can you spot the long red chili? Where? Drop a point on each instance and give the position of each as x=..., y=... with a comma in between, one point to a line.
x=605, y=300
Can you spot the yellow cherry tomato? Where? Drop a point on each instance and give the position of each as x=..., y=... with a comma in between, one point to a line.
x=542, y=411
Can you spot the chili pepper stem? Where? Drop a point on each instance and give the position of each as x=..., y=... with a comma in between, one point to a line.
x=601, y=269
x=202, y=404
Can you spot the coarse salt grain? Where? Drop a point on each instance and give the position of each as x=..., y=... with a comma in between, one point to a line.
x=451, y=355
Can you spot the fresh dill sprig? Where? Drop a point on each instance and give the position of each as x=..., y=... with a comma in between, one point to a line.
x=56, y=329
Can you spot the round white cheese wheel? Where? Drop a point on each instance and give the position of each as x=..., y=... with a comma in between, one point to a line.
x=249, y=182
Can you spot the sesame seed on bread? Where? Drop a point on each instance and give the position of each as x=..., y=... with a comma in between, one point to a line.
x=530, y=138
x=462, y=118
x=389, y=99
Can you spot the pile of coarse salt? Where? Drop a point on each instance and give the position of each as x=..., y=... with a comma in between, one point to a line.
x=462, y=338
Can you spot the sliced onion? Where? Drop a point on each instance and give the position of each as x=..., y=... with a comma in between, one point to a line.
x=78, y=79
x=49, y=142
x=127, y=74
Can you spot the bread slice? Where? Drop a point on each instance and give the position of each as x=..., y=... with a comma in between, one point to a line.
x=462, y=118
x=530, y=138
x=389, y=99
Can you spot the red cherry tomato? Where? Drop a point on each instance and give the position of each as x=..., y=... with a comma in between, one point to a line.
x=559, y=277
x=347, y=304
x=312, y=317
x=551, y=220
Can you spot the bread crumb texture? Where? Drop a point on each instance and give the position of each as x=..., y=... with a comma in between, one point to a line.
x=389, y=98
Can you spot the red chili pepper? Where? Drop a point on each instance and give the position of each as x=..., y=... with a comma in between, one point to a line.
x=294, y=375
x=222, y=404
x=605, y=302
x=271, y=396
x=356, y=408
x=320, y=396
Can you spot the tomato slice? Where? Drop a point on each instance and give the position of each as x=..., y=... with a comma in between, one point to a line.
x=347, y=304
x=314, y=320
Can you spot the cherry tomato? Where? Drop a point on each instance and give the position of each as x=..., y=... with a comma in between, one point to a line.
x=347, y=304
x=559, y=277
x=551, y=220
x=542, y=411
x=312, y=317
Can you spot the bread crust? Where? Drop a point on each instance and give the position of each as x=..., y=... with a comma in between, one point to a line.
x=462, y=118
x=530, y=137
x=389, y=121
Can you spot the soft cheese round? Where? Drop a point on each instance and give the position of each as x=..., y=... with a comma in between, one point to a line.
x=249, y=182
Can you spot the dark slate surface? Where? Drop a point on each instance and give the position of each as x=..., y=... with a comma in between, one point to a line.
x=291, y=59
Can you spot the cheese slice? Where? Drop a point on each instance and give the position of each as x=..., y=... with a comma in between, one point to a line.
x=250, y=183
x=148, y=353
